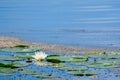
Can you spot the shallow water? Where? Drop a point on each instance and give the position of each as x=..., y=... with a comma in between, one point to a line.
x=60, y=73
x=88, y=23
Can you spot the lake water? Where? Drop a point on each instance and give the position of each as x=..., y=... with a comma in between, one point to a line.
x=91, y=23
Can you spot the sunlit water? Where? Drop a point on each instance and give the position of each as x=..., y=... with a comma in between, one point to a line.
x=92, y=23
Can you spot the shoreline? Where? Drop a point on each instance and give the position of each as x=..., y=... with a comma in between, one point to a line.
x=6, y=41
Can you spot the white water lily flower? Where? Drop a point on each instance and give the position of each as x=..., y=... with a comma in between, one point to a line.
x=39, y=56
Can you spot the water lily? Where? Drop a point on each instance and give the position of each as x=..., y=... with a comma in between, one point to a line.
x=39, y=56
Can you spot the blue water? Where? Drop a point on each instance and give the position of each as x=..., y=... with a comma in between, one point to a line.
x=92, y=23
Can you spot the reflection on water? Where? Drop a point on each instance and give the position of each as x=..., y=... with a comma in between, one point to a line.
x=71, y=22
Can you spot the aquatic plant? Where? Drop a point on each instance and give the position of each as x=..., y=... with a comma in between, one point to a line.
x=19, y=49
x=61, y=58
x=28, y=63
x=10, y=65
x=21, y=46
x=39, y=56
x=83, y=73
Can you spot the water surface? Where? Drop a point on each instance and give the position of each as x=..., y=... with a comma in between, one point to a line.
x=88, y=23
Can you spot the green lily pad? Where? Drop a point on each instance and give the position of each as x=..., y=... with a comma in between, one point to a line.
x=116, y=62
x=90, y=73
x=7, y=70
x=9, y=58
x=21, y=46
x=102, y=65
x=26, y=71
x=77, y=68
x=13, y=64
x=80, y=57
x=20, y=64
x=54, y=59
x=59, y=59
x=18, y=49
x=79, y=63
x=82, y=73
x=23, y=56
x=79, y=60
x=30, y=72
x=106, y=56
x=44, y=76
x=5, y=74
x=9, y=65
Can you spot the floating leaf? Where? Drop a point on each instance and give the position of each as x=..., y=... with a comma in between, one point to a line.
x=90, y=73
x=59, y=59
x=18, y=49
x=43, y=76
x=106, y=56
x=82, y=73
x=26, y=71
x=13, y=64
x=77, y=68
x=21, y=46
x=23, y=56
x=5, y=74
x=116, y=62
x=53, y=59
x=80, y=57
x=9, y=65
x=9, y=58
x=20, y=64
x=7, y=70
x=102, y=65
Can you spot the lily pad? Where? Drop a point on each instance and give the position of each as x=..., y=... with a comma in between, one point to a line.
x=5, y=74
x=59, y=59
x=21, y=46
x=43, y=76
x=90, y=73
x=13, y=64
x=30, y=72
x=106, y=56
x=9, y=58
x=23, y=56
x=20, y=64
x=18, y=49
x=26, y=71
x=77, y=68
x=80, y=57
x=102, y=65
x=54, y=59
x=9, y=65
x=7, y=70
x=82, y=73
